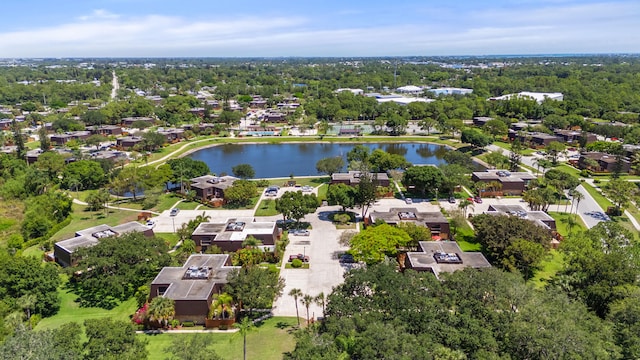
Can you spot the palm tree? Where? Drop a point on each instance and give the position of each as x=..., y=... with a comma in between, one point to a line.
x=223, y=304
x=244, y=327
x=464, y=204
x=307, y=300
x=321, y=300
x=577, y=196
x=161, y=309
x=571, y=221
x=296, y=293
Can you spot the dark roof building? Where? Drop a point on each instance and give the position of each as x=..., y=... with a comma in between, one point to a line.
x=353, y=178
x=209, y=187
x=435, y=221
x=230, y=235
x=605, y=162
x=540, y=218
x=128, y=121
x=193, y=285
x=443, y=256
x=63, y=250
x=513, y=183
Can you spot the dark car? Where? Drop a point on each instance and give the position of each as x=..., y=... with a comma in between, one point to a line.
x=347, y=259
x=477, y=199
x=452, y=200
x=301, y=257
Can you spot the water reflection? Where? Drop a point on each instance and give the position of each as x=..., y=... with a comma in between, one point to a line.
x=280, y=160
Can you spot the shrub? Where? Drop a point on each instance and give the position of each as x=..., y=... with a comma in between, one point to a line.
x=596, y=181
x=262, y=183
x=188, y=324
x=296, y=263
x=223, y=327
x=174, y=323
x=585, y=173
x=342, y=218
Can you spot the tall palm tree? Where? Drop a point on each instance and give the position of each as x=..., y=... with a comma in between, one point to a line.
x=577, y=196
x=321, y=300
x=244, y=327
x=162, y=309
x=464, y=204
x=307, y=300
x=296, y=293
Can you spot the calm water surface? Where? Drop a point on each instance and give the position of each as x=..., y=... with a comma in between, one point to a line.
x=282, y=160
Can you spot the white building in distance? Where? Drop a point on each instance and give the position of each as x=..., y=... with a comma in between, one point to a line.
x=538, y=97
x=410, y=89
x=451, y=91
x=353, y=91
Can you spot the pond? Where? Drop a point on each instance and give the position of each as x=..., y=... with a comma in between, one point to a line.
x=299, y=159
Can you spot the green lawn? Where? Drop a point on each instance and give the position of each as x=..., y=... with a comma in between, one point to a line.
x=568, y=169
x=507, y=146
x=561, y=223
x=466, y=239
x=548, y=268
x=189, y=205
x=302, y=181
x=166, y=202
x=269, y=341
x=322, y=192
x=71, y=311
x=267, y=207
x=597, y=196
x=81, y=219
x=170, y=238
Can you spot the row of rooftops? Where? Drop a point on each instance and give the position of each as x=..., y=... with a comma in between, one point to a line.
x=235, y=229
x=502, y=176
x=91, y=236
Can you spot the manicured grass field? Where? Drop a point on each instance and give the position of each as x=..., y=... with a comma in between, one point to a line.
x=322, y=192
x=267, y=207
x=302, y=181
x=269, y=341
x=81, y=219
x=170, y=238
x=466, y=239
x=548, y=268
x=562, y=223
x=507, y=146
x=568, y=169
x=70, y=311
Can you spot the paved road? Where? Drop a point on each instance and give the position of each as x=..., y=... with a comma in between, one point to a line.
x=588, y=205
x=325, y=271
x=114, y=86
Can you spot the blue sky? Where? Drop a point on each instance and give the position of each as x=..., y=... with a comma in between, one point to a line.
x=212, y=28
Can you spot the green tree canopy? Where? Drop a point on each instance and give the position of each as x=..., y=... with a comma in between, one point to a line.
x=330, y=165
x=295, y=205
x=374, y=243
x=243, y=171
x=424, y=178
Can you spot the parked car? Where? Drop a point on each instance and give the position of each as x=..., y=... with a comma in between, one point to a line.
x=303, y=233
x=347, y=259
x=174, y=212
x=477, y=199
x=151, y=224
x=408, y=200
x=284, y=223
x=301, y=257
x=452, y=200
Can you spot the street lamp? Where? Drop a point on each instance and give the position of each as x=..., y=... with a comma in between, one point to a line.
x=173, y=220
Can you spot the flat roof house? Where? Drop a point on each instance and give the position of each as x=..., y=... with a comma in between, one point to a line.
x=105, y=130
x=61, y=139
x=193, y=285
x=572, y=136
x=606, y=162
x=63, y=250
x=230, y=235
x=512, y=183
x=209, y=187
x=128, y=142
x=128, y=121
x=352, y=178
x=171, y=134
x=443, y=256
x=435, y=221
x=541, y=218
x=538, y=97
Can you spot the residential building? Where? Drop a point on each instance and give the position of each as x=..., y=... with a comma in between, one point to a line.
x=128, y=142
x=193, y=285
x=435, y=221
x=209, y=187
x=541, y=218
x=410, y=89
x=64, y=250
x=198, y=111
x=353, y=91
x=533, y=139
x=353, y=178
x=605, y=162
x=481, y=120
x=61, y=139
x=128, y=121
x=511, y=183
x=574, y=136
x=443, y=256
x=105, y=130
x=171, y=134
x=230, y=235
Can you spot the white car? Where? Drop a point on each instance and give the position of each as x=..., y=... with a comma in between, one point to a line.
x=151, y=224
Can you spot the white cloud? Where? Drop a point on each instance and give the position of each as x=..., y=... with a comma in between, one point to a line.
x=610, y=27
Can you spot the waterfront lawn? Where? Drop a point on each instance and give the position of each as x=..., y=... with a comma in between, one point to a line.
x=81, y=219
x=302, y=181
x=70, y=311
x=267, y=207
x=270, y=340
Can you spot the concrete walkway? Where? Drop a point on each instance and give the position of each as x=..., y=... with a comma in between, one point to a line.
x=80, y=202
